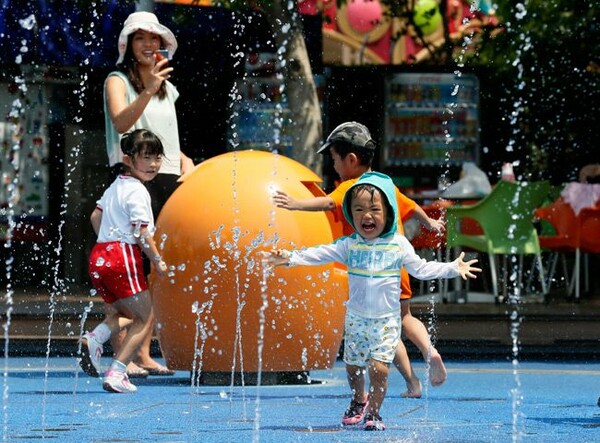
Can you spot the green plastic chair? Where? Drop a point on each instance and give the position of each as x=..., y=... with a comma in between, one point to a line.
x=505, y=217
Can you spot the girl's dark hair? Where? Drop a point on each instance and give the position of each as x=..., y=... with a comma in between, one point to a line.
x=365, y=154
x=389, y=218
x=129, y=66
x=141, y=141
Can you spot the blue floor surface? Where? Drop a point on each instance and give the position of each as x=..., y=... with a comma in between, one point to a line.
x=480, y=402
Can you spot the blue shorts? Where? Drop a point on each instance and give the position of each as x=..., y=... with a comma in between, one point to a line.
x=370, y=338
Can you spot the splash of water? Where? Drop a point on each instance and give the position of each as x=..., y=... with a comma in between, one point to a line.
x=199, y=341
x=515, y=325
x=515, y=293
x=12, y=196
x=261, y=335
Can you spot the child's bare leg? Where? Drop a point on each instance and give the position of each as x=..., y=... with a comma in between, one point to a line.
x=117, y=337
x=417, y=333
x=356, y=380
x=378, y=378
x=139, y=309
x=402, y=363
x=143, y=357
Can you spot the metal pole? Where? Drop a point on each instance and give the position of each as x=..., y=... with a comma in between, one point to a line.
x=144, y=5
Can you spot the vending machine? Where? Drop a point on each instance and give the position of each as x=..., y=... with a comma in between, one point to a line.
x=431, y=120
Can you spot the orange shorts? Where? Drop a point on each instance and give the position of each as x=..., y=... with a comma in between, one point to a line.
x=405, y=285
x=116, y=270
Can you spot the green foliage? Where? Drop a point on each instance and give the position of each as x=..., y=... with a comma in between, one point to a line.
x=563, y=30
x=547, y=60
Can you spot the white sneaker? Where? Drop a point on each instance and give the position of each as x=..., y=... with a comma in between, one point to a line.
x=115, y=381
x=91, y=353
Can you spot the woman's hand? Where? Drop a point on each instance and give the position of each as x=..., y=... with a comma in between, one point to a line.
x=158, y=74
x=187, y=164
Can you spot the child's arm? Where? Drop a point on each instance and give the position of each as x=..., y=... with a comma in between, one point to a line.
x=312, y=256
x=428, y=222
x=283, y=200
x=277, y=257
x=465, y=268
x=146, y=242
x=96, y=219
x=428, y=270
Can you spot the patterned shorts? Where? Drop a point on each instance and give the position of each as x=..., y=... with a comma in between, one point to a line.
x=370, y=338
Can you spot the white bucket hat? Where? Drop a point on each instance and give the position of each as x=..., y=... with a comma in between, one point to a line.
x=145, y=21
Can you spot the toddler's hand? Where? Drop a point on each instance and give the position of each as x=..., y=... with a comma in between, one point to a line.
x=465, y=268
x=276, y=257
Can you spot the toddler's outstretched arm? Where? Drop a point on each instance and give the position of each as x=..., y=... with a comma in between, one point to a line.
x=277, y=257
x=465, y=268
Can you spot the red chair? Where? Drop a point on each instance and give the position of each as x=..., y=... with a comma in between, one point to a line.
x=589, y=222
x=566, y=239
x=574, y=233
x=428, y=240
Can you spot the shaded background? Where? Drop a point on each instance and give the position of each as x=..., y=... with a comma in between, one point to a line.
x=76, y=48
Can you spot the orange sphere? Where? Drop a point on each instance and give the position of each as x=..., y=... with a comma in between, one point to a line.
x=219, y=308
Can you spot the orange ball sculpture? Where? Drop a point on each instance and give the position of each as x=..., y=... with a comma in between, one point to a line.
x=220, y=309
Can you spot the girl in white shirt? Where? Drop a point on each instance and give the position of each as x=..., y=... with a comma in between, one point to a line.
x=124, y=224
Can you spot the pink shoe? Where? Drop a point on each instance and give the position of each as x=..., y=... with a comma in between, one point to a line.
x=355, y=413
x=115, y=381
x=374, y=423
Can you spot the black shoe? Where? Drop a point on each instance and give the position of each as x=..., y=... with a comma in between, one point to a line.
x=374, y=423
x=355, y=413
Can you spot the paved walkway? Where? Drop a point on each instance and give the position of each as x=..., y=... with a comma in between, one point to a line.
x=481, y=402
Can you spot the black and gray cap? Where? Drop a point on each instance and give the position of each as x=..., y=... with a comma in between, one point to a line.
x=353, y=133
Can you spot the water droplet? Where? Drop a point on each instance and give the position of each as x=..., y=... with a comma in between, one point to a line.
x=28, y=23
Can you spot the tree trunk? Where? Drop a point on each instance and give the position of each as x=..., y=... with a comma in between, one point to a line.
x=300, y=89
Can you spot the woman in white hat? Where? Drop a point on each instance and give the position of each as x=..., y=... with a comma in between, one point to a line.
x=139, y=96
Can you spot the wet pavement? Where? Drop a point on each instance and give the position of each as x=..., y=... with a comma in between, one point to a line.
x=482, y=401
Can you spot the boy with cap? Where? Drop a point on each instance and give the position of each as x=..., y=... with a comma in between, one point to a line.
x=352, y=150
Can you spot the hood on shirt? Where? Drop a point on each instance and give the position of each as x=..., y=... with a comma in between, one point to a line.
x=387, y=188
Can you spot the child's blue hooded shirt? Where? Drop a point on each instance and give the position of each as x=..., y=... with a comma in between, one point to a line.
x=374, y=265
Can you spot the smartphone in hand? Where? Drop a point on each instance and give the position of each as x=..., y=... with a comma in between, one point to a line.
x=162, y=54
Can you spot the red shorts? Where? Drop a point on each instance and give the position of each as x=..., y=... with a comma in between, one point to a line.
x=116, y=270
